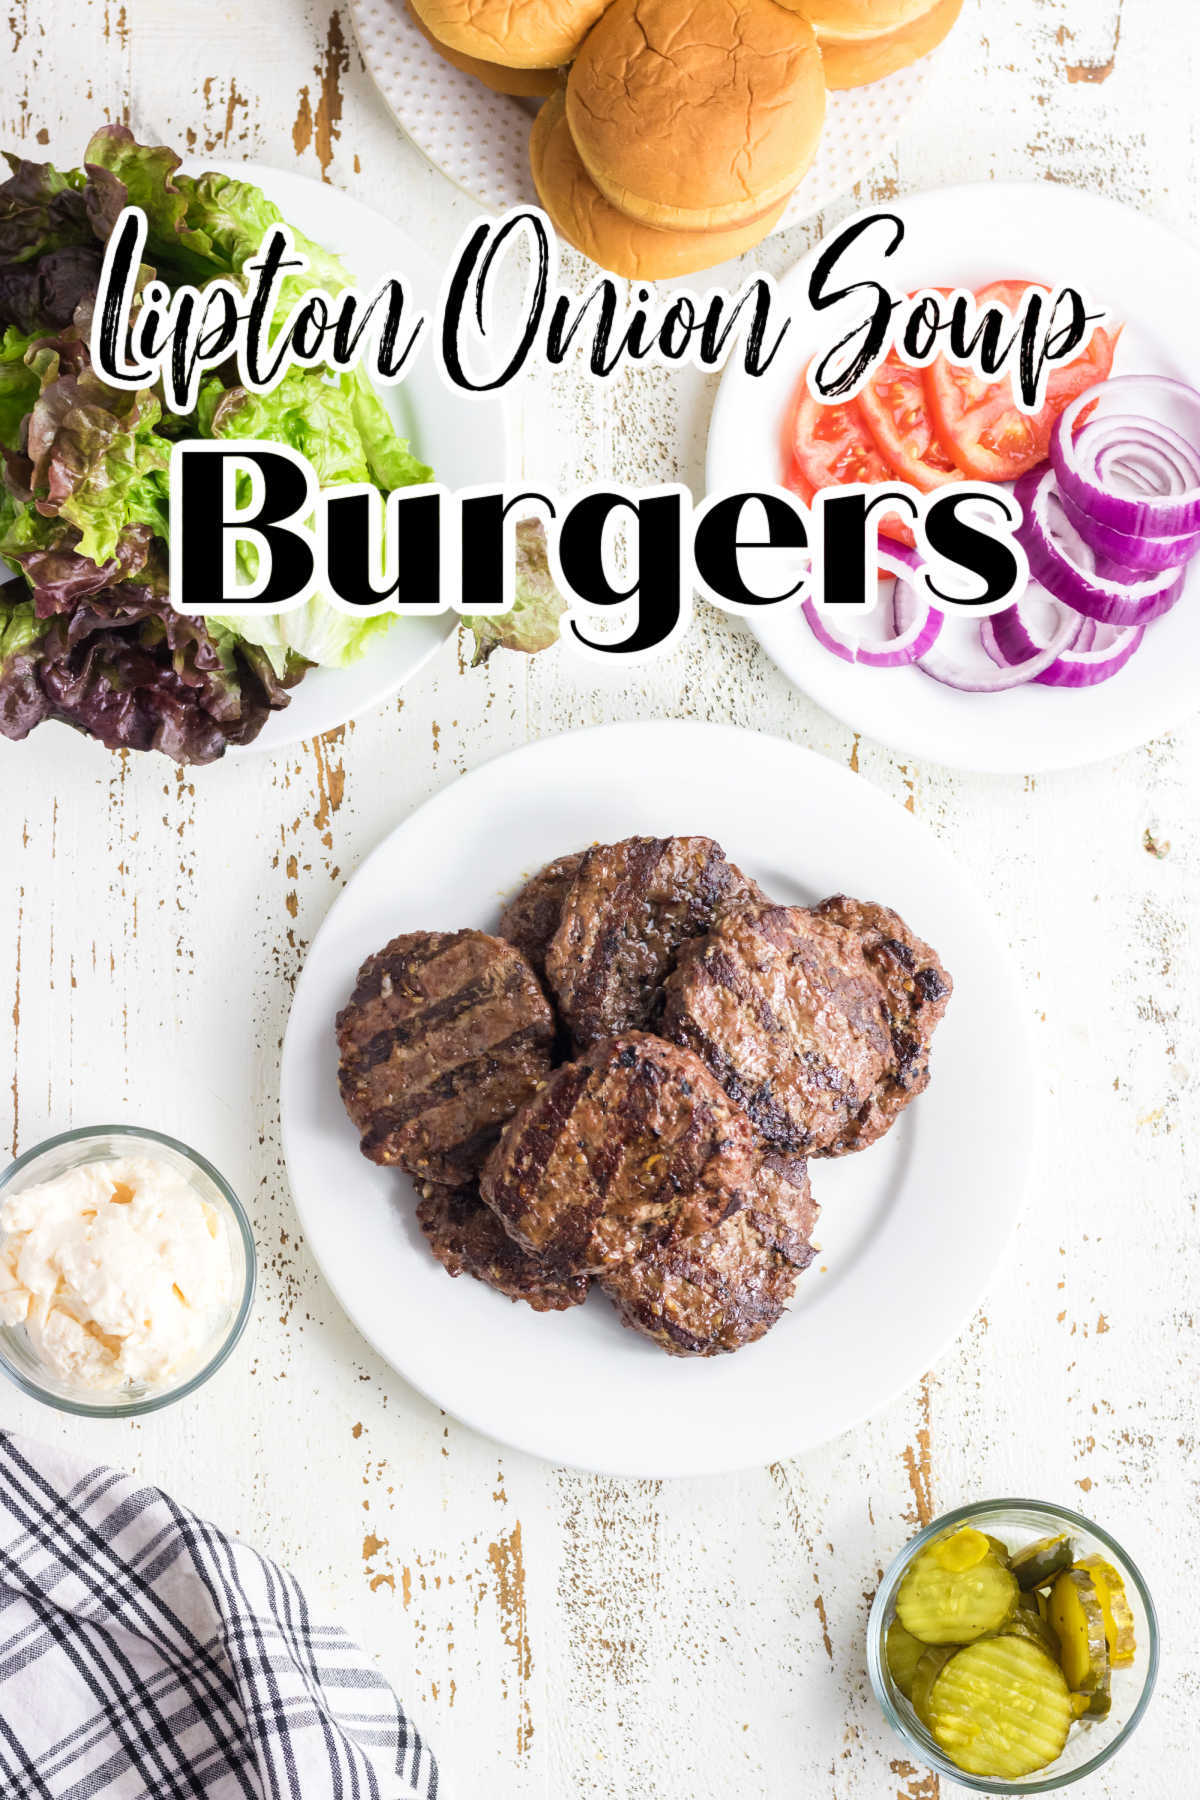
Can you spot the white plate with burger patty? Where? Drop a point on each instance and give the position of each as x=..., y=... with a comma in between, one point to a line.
x=1147, y=279
x=911, y=1230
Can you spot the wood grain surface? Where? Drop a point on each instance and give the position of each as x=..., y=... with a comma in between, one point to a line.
x=559, y=1634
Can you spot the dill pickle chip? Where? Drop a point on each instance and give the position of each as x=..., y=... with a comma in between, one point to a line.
x=1000, y=1709
x=927, y=1671
x=1033, y=1628
x=1038, y=1563
x=1076, y=1618
x=903, y=1653
x=1119, y=1631
x=961, y=1550
x=941, y=1605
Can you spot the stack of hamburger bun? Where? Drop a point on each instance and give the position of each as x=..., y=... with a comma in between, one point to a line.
x=673, y=131
x=864, y=40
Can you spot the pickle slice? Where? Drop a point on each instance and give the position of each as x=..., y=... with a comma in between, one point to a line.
x=1038, y=1563
x=941, y=1605
x=1076, y=1618
x=1033, y=1628
x=1098, y=1704
x=1000, y=1709
x=903, y=1653
x=1119, y=1631
x=928, y=1669
x=962, y=1550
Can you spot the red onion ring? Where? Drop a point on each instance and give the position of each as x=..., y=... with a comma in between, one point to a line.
x=915, y=625
x=1097, y=653
x=1143, y=555
x=1108, y=592
x=1166, y=502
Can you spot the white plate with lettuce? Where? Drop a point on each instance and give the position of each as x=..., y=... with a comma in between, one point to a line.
x=87, y=633
x=462, y=437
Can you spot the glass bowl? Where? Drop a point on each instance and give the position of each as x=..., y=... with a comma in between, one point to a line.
x=103, y=1143
x=1092, y=1741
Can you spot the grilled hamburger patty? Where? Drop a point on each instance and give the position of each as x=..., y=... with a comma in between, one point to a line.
x=785, y=1010
x=632, y=1142
x=531, y=919
x=815, y=1020
x=624, y=916
x=468, y=1239
x=916, y=992
x=701, y=1296
x=446, y=1034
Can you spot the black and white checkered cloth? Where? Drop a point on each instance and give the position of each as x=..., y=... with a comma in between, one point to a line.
x=146, y=1656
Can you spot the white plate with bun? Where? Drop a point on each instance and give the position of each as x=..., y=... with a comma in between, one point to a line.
x=479, y=138
x=911, y=1229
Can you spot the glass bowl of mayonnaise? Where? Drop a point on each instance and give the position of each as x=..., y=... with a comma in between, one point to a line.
x=127, y=1271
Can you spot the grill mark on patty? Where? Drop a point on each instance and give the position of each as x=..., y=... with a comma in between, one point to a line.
x=445, y=1036
x=475, y=1072
x=382, y=1044
x=600, y=973
x=623, y=918
x=634, y=1140
x=786, y=1013
x=716, y=968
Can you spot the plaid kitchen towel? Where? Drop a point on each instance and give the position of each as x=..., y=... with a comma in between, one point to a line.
x=144, y=1655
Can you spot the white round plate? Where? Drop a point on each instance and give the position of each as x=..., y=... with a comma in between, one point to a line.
x=464, y=438
x=480, y=140
x=973, y=235
x=911, y=1229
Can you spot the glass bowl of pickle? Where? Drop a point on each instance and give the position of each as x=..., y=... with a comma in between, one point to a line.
x=1013, y=1646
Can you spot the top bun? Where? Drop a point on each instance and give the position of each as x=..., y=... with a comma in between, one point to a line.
x=859, y=18
x=855, y=61
x=522, y=34
x=580, y=213
x=525, y=83
x=697, y=117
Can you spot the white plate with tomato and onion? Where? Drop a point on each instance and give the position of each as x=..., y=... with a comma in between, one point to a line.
x=1050, y=686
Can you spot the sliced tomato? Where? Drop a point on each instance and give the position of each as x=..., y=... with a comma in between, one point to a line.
x=829, y=445
x=979, y=423
x=896, y=410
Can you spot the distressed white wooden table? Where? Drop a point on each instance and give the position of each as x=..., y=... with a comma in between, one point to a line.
x=558, y=1634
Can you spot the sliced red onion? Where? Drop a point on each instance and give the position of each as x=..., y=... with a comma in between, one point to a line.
x=1096, y=652
x=1143, y=555
x=1003, y=671
x=915, y=624
x=1076, y=668
x=1129, y=472
x=1065, y=566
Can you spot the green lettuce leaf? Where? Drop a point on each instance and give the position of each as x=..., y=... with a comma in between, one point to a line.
x=391, y=462
x=19, y=386
x=342, y=428
x=533, y=621
x=95, y=457
x=21, y=633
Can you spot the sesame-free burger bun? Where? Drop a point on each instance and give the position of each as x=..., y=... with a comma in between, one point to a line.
x=859, y=18
x=854, y=61
x=501, y=80
x=580, y=213
x=521, y=34
x=697, y=117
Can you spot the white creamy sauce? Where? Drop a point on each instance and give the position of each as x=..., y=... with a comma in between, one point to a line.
x=120, y=1272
